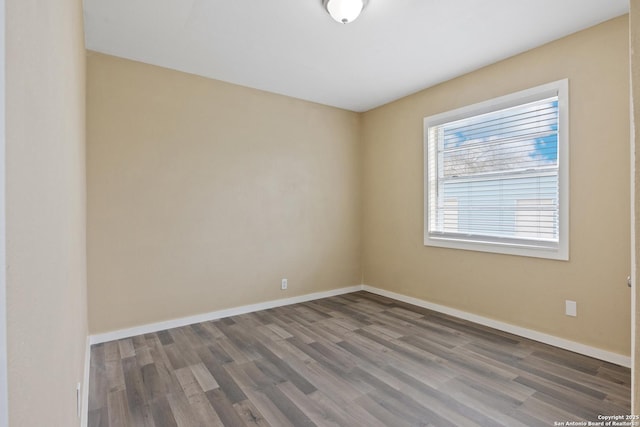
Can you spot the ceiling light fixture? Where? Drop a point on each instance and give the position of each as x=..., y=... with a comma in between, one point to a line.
x=344, y=11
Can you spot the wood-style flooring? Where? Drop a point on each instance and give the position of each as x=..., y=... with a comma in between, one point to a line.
x=351, y=360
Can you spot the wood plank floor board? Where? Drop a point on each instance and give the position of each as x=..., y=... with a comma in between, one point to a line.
x=279, y=331
x=272, y=414
x=111, y=351
x=316, y=413
x=422, y=328
x=381, y=413
x=227, y=385
x=337, y=387
x=587, y=389
x=201, y=331
x=351, y=360
x=575, y=403
x=115, y=375
x=219, y=353
x=184, y=345
x=231, y=348
x=164, y=337
x=406, y=350
x=409, y=411
x=252, y=382
x=494, y=353
x=488, y=394
x=212, y=329
x=435, y=398
x=98, y=417
x=468, y=398
x=161, y=413
x=188, y=382
x=154, y=385
x=136, y=392
x=202, y=408
x=287, y=407
x=578, y=362
x=303, y=333
x=288, y=372
x=250, y=414
x=203, y=377
x=400, y=403
x=346, y=415
x=143, y=355
x=371, y=356
x=387, y=331
x=118, y=410
x=508, y=386
x=183, y=412
x=307, y=316
x=381, y=374
x=224, y=408
x=98, y=384
x=464, y=362
x=284, y=350
x=431, y=374
x=614, y=377
x=429, y=397
x=472, y=330
x=319, y=353
x=332, y=330
x=484, y=365
x=263, y=374
x=161, y=366
x=541, y=412
x=126, y=348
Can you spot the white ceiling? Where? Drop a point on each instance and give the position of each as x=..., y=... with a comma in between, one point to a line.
x=293, y=47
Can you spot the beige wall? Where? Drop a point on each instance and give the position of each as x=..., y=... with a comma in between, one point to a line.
x=45, y=184
x=522, y=291
x=202, y=195
x=634, y=54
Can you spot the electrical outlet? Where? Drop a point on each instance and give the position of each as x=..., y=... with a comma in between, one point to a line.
x=284, y=285
x=570, y=308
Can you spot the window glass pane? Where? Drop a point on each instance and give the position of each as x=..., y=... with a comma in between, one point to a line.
x=497, y=175
x=501, y=207
x=522, y=137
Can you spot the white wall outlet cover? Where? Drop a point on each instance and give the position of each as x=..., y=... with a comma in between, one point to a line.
x=571, y=308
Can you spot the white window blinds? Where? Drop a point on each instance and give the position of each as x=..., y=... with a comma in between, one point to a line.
x=494, y=177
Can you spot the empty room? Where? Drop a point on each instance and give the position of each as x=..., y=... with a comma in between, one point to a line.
x=330, y=213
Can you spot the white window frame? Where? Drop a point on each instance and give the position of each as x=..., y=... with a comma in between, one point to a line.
x=4, y=358
x=558, y=88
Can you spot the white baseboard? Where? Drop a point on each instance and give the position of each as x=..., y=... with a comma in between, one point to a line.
x=576, y=347
x=219, y=314
x=84, y=417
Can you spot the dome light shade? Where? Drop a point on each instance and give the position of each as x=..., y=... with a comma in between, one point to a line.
x=344, y=11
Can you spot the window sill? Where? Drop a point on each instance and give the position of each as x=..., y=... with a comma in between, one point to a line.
x=506, y=248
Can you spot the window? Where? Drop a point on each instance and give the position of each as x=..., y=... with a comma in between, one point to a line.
x=496, y=175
